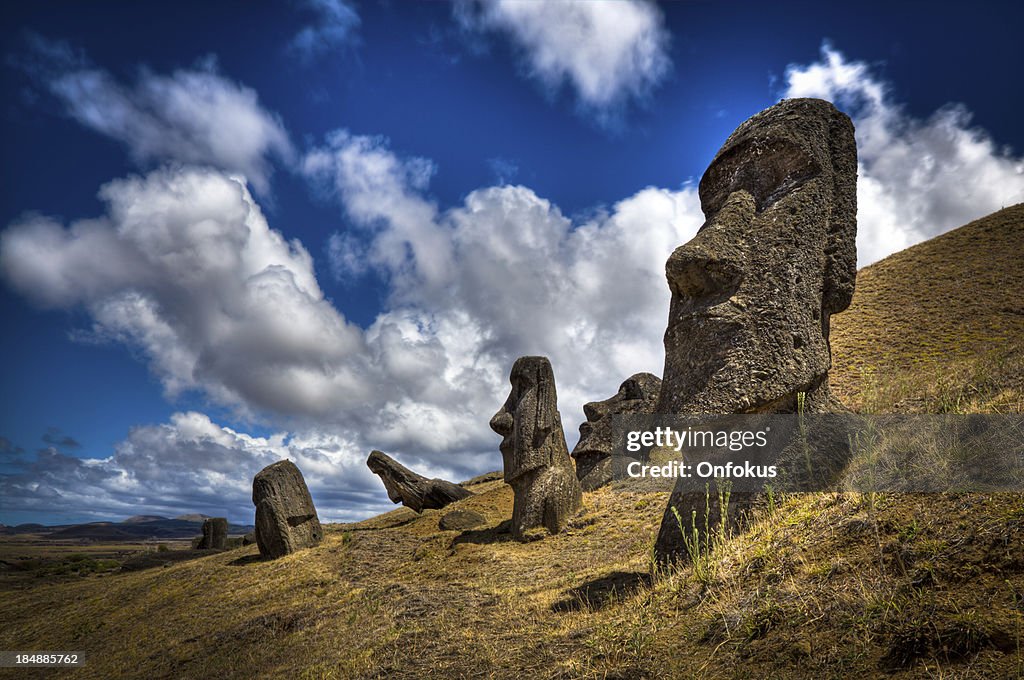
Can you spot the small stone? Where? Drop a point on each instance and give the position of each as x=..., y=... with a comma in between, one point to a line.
x=460, y=520
x=800, y=649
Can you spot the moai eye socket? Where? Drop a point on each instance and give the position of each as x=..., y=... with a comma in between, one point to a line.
x=767, y=169
x=632, y=390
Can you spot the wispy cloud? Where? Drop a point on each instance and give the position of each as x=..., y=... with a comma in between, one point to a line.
x=189, y=116
x=503, y=169
x=334, y=24
x=54, y=437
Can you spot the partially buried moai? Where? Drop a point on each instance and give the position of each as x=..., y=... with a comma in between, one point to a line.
x=215, y=534
x=595, y=465
x=752, y=292
x=533, y=450
x=286, y=520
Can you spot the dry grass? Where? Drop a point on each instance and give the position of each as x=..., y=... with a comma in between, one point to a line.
x=939, y=326
x=823, y=586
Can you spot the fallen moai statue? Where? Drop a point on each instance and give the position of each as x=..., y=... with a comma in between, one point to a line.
x=410, y=489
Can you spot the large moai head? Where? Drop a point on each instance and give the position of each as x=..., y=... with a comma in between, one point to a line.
x=752, y=292
x=637, y=394
x=529, y=422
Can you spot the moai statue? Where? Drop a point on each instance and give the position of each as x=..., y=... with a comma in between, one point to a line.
x=638, y=394
x=533, y=450
x=286, y=520
x=753, y=291
x=215, y=534
x=410, y=489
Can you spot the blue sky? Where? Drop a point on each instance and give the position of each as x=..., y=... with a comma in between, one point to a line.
x=232, y=233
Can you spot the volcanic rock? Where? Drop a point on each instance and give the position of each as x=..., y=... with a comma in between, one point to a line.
x=638, y=394
x=753, y=291
x=533, y=449
x=461, y=520
x=410, y=489
x=286, y=520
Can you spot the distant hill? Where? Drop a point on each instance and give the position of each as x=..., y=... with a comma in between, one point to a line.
x=102, y=531
x=139, y=519
x=25, y=529
x=138, y=528
x=193, y=517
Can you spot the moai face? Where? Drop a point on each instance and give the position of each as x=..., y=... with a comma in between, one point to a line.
x=637, y=394
x=752, y=292
x=528, y=418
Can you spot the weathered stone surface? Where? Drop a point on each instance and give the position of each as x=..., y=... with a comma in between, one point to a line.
x=215, y=534
x=286, y=520
x=637, y=394
x=410, y=489
x=533, y=450
x=249, y=538
x=753, y=291
x=459, y=520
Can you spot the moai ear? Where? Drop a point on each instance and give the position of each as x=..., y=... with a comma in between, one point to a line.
x=547, y=402
x=841, y=247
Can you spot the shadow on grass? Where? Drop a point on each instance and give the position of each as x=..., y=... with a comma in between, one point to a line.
x=498, y=534
x=599, y=592
x=247, y=559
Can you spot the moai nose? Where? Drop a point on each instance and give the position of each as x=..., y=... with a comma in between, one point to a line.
x=711, y=263
x=502, y=423
x=694, y=271
x=594, y=410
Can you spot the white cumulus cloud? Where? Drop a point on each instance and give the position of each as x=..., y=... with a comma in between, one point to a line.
x=917, y=178
x=502, y=275
x=191, y=464
x=608, y=52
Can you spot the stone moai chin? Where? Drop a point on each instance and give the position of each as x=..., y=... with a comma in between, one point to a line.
x=533, y=450
x=593, y=453
x=753, y=291
x=286, y=520
x=215, y=534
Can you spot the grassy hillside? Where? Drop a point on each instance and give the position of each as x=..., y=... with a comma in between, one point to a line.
x=939, y=326
x=823, y=585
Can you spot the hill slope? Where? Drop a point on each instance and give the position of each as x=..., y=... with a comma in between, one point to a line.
x=938, y=323
x=823, y=585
